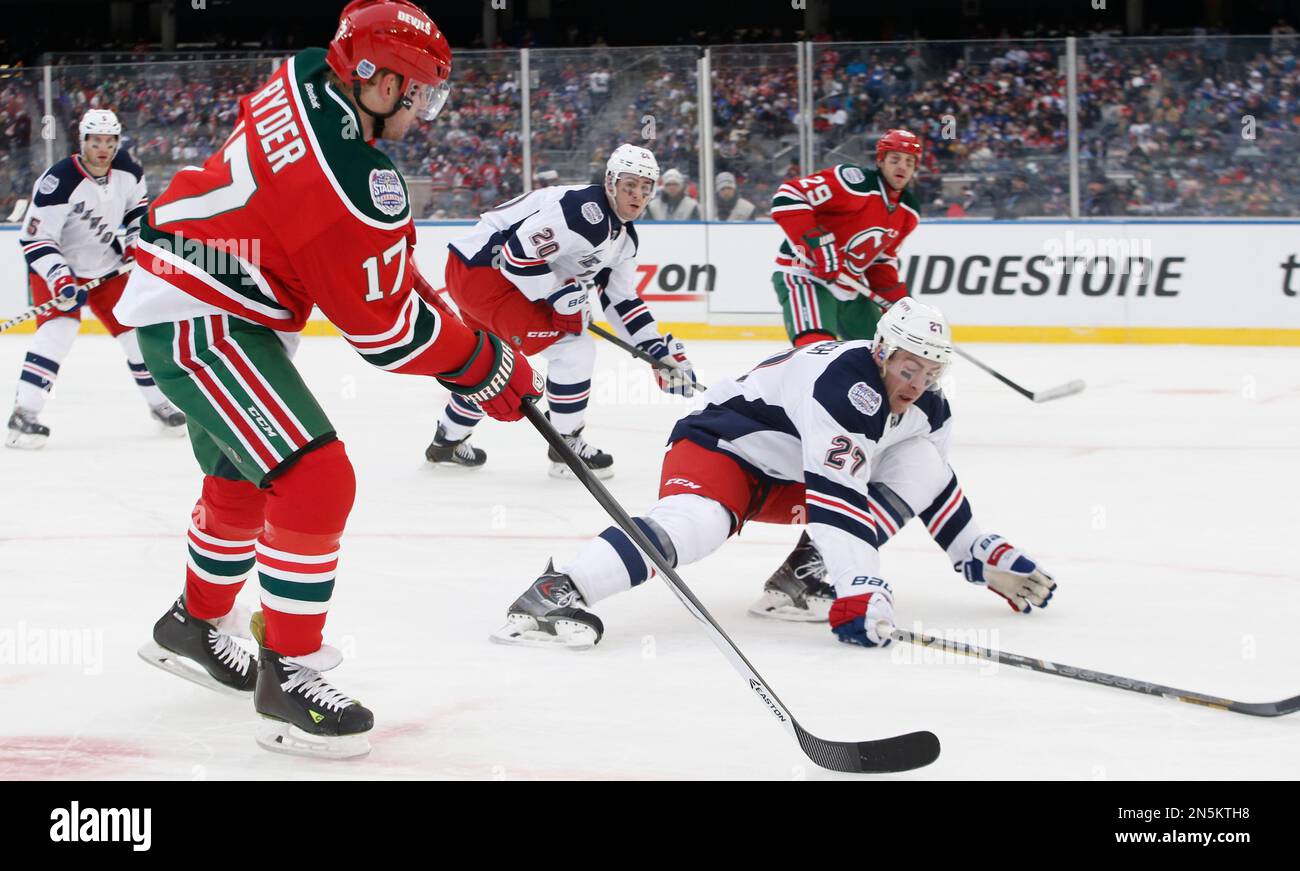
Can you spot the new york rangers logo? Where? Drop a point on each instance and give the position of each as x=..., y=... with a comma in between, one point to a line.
x=386, y=191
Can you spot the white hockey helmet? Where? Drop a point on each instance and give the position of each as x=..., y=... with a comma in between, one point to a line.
x=632, y=160
x=917, y=328
x=99, y=121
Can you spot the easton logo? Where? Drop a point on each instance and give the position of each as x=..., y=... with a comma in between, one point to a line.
x=762, y=694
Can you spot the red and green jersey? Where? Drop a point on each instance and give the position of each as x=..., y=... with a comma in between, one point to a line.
x=296, y=210
x=868, y=219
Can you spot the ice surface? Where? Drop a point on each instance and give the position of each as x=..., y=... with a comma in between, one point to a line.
x=1163, y=498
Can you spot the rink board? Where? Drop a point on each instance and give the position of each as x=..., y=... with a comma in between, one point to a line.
x=1185, y=282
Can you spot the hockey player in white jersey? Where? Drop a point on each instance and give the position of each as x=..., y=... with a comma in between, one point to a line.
x=525, y=272
x=849, y=437
x=69, y=238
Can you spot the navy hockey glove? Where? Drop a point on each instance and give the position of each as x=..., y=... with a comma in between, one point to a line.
x=866, y=619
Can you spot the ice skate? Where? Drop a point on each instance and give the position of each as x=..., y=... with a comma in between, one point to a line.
x=306, y=715
x=796, y=590
x=202, y=651
x=170, y=417
x=548, y=615
x=600, y=463
x=25, y=431
x=444, y=452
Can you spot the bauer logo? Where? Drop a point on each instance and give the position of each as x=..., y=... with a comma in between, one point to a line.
x=762, y=694
x=864, y=399
x=592, y=213
x=386, y=191
x=102, y=825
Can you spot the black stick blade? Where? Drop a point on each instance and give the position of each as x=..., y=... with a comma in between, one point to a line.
x=900, y=753
x=1266, y=709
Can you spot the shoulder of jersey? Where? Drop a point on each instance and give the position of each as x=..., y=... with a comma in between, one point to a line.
x=124, y=162
x=586, y=212
x=57, y=184
x=856, y=180
x=851, y=391
x=934, y=405
x=362, y=176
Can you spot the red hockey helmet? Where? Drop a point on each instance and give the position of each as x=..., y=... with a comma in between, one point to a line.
x=897, y=139
x=394, y=35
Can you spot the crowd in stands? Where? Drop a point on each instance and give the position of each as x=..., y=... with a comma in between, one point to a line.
x=1192, y=126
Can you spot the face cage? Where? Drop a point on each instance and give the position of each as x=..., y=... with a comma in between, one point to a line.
x=427, y=100
x=885, y=350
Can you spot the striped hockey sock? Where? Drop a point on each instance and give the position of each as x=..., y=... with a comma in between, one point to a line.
x=224, y=527
x=459, y=417
x=35, y=381
x=568, y=404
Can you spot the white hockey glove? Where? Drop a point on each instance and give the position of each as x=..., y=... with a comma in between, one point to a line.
x=866, y=619
x=1007, y=571
x=680, y=378
x=571, y=312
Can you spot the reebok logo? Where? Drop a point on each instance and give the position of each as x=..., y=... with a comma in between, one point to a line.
x=92, y=825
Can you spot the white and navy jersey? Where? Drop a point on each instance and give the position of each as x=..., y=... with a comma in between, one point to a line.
x=74, y=217
x=542, y=239
x=818, y=415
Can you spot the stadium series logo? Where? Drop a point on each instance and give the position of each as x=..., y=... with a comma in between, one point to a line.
x=386, y=191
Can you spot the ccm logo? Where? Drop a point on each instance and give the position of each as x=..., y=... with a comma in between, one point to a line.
x=542, y=334
x=682, y=482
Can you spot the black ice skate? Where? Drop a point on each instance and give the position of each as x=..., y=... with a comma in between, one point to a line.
x=797, y=591
x=444, y=452
x=25, y=431
x=547, y=615
x=170, y=417
x=600, y=463
x=308, y=716
x=199, y=651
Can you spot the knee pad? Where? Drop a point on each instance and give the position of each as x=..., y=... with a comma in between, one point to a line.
x=693, y=526
x=315, y=494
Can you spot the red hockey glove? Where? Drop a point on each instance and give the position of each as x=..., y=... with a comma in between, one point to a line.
x=819, y=247
x=66, y=296
x=865, y=619
x=496, y=378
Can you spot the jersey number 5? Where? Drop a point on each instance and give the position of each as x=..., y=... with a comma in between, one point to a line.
x=840, y=447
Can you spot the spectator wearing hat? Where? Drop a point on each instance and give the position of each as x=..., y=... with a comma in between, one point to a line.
x=729, y=205
x=672, y=202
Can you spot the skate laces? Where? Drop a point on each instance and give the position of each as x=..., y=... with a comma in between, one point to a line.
x=563, y=594
x=228, y=651
x=463, y=450
x=309, y=683
x=581, y=446
x=814, y=568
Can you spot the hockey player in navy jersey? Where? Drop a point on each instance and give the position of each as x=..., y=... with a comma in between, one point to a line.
x=851, y=437
x=525, y=273
x=69, y=238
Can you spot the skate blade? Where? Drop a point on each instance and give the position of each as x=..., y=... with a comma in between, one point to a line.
x=523, y=631
x=560, y=470
x=174, y=663
x=281, y=737
x=25, y=441
x=452, y=464
x=174, y=431
x=778, y=606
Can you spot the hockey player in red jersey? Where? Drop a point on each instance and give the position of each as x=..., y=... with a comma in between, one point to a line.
x=844, y=225
x=297, y=209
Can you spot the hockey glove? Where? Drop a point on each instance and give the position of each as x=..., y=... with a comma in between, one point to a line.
x=866, y=619
x=819, y=248
x=496, y=378
x=1007, y=571
x=679, y=379
x=129, y=250
x=66, y=295
x=570, y=314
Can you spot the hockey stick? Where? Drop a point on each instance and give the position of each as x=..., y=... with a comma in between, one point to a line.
x=899, y=753
x=1254, y=709
x=1067, y=389
x=637, y=352
x=37, y=311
